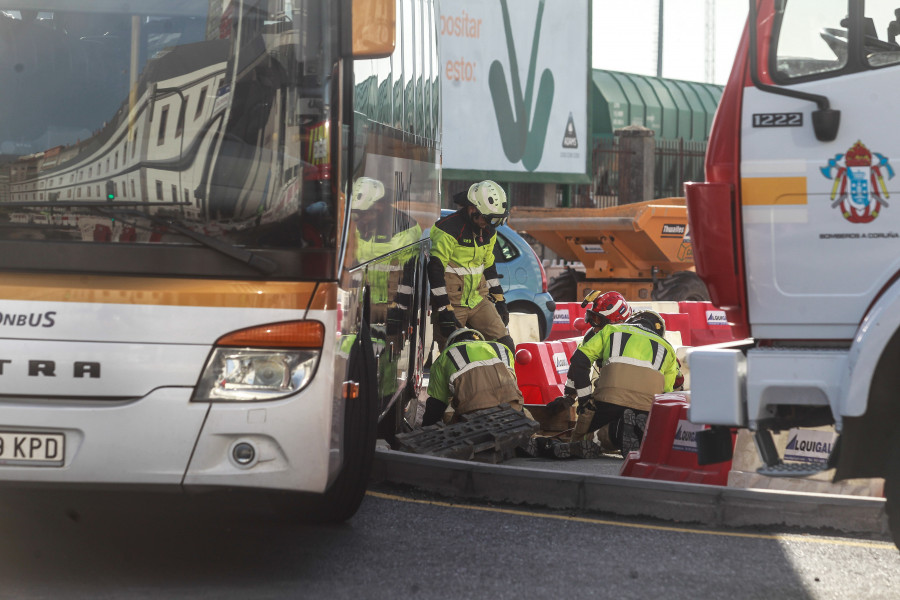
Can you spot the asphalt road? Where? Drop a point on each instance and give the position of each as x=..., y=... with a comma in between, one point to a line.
x=404, y=544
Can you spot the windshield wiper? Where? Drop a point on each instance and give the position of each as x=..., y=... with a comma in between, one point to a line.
x=251, y=259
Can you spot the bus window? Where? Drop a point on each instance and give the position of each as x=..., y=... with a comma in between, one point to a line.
x=81, y=82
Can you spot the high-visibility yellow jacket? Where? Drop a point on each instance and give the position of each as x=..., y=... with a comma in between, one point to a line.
x=635, y=365
x=391, y=280
x=474, y=375
x=461, y=270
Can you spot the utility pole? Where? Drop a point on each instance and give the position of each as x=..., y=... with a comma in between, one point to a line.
x=710, y=41
x=659, y=40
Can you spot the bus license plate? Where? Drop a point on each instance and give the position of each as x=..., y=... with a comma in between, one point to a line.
x=21, y=448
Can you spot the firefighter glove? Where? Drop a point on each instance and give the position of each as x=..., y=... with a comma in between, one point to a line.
x=559, y=404
x=447, y=322
x=434, y=410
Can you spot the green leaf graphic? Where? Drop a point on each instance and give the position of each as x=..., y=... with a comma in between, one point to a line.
x=521, y=142
x=512, y=132
x=534, y=146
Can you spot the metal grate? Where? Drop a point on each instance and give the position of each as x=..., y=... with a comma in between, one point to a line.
x=489, y=435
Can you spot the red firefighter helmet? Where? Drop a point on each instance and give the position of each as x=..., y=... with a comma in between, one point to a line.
x=609, y=307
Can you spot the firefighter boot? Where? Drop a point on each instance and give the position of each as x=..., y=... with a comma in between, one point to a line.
x=633, y=425
x=582, y=425
x=559, y=449
x=539, y=446
x=602, y=439
x=585, y=448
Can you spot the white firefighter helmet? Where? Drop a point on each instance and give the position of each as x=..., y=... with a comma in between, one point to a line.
x=366, y=192
x=649, y=320
x=490, y=200
x=464, y=334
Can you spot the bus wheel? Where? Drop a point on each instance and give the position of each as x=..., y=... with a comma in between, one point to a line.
x=342, y=499
x=393, y=421
x=892, y=491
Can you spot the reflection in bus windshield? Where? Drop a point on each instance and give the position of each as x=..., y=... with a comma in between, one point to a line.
x=218, y=123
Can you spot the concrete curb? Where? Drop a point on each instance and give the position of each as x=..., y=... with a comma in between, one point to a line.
x=625, y=496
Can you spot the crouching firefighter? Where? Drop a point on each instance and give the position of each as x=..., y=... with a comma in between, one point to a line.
x=471, y=374
x=636, y=363
x=603, y=308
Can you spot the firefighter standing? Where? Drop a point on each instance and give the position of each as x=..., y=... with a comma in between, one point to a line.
x=465, y=288
x=471, y=374
x=637, y=363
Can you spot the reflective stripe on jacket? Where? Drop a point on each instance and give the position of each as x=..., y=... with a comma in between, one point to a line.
x=623, y=345
x=390, y=280
x=474, y=375
x=461, y=270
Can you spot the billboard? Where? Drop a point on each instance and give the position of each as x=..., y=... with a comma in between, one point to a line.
x=514, y=81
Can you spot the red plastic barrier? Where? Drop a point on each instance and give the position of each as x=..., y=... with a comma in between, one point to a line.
x=564, y=321
x=708, y=323
x=542, y=369
x=681, y=323
x=669, y=450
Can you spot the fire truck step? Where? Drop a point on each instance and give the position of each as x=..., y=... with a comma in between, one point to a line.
x=783, y=469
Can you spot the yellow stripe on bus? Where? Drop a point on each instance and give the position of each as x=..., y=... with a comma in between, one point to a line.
x=773, y=191
x=101, y=289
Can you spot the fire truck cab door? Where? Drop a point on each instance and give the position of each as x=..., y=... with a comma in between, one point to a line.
x=821, y=220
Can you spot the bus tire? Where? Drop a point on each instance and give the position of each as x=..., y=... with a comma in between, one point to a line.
x=345, y=494
x=392, y=422
x=892, y=490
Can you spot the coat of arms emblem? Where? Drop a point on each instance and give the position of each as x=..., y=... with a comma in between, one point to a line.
x=859, y=183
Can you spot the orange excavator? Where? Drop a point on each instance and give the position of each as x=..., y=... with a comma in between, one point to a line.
x=642, y=250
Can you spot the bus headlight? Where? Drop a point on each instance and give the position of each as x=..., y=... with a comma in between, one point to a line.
x=247, y=373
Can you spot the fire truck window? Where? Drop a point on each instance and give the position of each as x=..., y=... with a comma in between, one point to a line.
x=882, y=29
x=810, y=40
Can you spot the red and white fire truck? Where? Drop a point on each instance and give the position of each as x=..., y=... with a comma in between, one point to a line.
x=797, y=237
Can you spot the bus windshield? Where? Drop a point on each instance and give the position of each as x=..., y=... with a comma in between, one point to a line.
x=190, y=137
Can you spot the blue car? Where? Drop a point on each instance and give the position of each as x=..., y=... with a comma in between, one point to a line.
x=522, y=277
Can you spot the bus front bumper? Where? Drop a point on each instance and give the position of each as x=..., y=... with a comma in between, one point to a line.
x=164, y=439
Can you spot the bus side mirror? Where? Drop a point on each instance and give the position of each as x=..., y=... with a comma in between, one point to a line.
x=374, y=28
